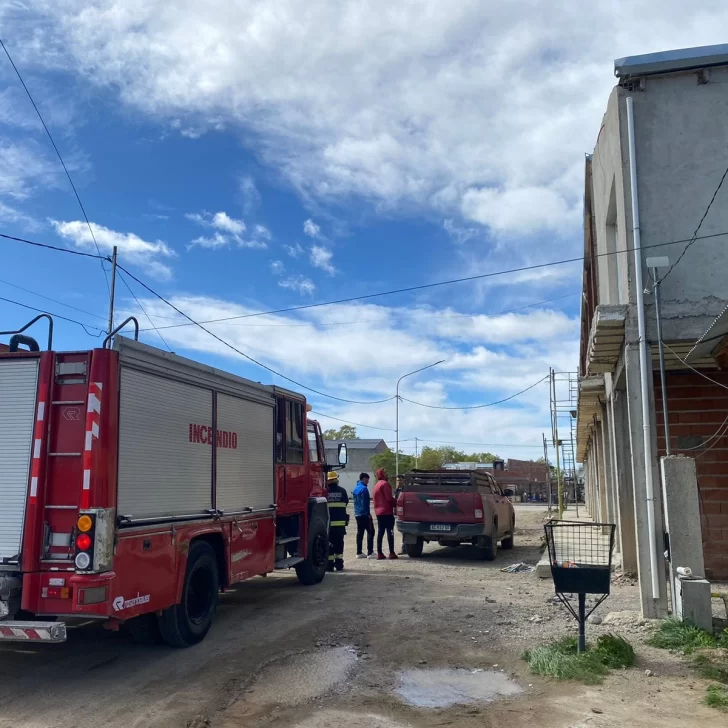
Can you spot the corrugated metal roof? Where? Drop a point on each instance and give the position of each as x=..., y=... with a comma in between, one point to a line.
x=354, y=444
x=682, y=59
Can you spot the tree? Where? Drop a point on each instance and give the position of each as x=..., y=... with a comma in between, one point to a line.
x=345, y=432
x=387, y=461
x=433, y=458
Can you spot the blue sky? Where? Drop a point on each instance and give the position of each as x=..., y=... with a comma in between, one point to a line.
x=248, y=156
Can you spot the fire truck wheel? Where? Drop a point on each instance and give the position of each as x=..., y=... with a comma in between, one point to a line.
x=187, y=623
x=313, y=569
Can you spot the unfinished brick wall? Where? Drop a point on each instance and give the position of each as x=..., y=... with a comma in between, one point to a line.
x=697, y=410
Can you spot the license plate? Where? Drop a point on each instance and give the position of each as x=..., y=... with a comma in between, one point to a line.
x=440, y=527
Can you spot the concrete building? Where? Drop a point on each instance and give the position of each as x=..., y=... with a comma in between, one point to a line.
x=678, y=102
x=359, y=453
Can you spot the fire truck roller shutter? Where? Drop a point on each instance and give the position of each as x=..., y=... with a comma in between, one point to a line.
x=18, y=384
x=162, y=472
x=244, y=454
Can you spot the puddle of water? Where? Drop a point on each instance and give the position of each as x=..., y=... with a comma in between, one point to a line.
x=301, y=677
x=440, y=688
x=338, y=718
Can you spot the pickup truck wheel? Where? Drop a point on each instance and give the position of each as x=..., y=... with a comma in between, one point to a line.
x=488, y=547
x=185, y=624
x=313, y=569
x=414, y=550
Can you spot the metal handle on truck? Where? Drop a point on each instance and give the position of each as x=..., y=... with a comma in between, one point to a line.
x=119, y=328
x=17, y=339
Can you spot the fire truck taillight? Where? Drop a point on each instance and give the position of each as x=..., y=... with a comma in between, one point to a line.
x=95, y=540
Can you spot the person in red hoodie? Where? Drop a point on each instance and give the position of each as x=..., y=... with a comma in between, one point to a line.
x=384, y=509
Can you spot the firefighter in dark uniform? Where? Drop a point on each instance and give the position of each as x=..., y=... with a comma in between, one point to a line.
x=338, y=520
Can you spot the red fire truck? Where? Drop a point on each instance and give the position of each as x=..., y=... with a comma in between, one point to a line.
x=137, y=484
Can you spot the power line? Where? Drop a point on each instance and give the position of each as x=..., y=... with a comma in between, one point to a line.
x=697, y=229
x=357, y=424
x=54, y=247
x=53, y=300
x=384, y=319
x=128, y=288
x=699, y=373
x=60, y=159
x=85, y=327
x=243, y=354
x=423, y=286
x=476, y=406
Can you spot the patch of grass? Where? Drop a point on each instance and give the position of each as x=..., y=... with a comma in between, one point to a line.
x=614, y=652
x=716, y=696
x=681, y=637
x=562, y=661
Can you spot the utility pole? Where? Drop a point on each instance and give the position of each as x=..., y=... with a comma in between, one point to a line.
x=655, y=263
x=548, y=467
x=557, y=442
x=417, y=457
x=111, y=292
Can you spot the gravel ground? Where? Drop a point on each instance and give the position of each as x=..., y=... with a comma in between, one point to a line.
x=281, y=655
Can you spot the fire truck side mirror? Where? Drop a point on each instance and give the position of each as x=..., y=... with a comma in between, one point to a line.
x=343, y=456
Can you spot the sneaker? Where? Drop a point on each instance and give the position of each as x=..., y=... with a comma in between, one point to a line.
x=360, y=556
x=330, y=566
x=393, y=556
x=339, y=564
x=371, y=556
x=381, y=557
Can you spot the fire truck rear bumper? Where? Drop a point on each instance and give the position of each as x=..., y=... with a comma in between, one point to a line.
x=32, y=631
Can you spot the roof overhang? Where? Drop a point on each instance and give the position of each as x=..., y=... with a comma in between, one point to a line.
x=589, y=411
x=682, y=59
x=606, y=338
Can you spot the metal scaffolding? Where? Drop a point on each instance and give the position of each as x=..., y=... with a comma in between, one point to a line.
x=563, y=397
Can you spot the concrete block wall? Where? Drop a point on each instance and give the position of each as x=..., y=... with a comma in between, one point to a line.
x=696, y=409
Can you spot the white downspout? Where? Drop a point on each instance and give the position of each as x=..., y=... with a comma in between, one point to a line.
x=645, y=359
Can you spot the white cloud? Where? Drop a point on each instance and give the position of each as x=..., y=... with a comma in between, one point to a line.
x=216, y=240
x=277, y=268
x=132, y=249
x=321, y=258
x=484, y=104
x=311, y=229
x=298, y=283
x=251, y=197
x=228, y=230
x=295, y=251
x=24, y=167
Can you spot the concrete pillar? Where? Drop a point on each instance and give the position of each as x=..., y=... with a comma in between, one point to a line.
x=611, y=515
x=599, y=441
x=653, y=606
x=682, y=513
x=622, y=460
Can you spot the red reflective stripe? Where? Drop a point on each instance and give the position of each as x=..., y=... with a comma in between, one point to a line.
x=37, y=442
x=7, y=632
x=32, y=634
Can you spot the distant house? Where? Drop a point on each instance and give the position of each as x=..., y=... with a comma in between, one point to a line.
x=360, y=454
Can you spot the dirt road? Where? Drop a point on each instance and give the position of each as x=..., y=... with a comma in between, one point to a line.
x=372, y=646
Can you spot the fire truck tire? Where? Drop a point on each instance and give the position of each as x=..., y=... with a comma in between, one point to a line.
x=185, y=624
x=313, y=569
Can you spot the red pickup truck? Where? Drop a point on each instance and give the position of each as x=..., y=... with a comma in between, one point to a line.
x=454, y=507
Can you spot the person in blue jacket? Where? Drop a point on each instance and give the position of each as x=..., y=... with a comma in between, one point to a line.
x=364, y=523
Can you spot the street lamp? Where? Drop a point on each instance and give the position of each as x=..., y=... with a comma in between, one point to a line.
x=416, y=371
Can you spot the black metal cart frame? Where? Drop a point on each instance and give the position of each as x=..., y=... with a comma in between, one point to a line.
x=580, y=554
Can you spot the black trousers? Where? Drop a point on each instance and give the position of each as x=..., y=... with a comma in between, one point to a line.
x=364, y=525
x=336, y=543
x=385, y=523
